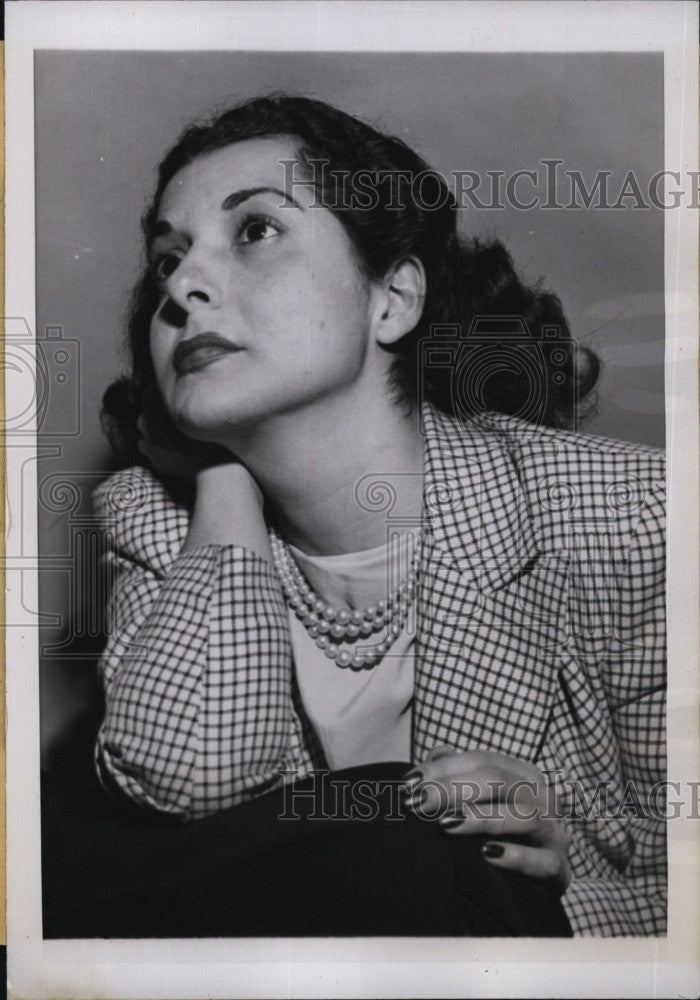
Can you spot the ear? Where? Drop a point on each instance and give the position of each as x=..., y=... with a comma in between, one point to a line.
x=400, y=301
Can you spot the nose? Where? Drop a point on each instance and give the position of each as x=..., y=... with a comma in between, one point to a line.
x=194, y=283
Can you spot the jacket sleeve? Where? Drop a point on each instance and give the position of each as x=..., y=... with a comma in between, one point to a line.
x=197, y=667
x=628, y=895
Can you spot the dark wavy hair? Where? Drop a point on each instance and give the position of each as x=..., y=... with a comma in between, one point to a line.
x=504, y=345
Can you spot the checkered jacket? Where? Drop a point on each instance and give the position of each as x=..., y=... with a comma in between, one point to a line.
x=540, y=634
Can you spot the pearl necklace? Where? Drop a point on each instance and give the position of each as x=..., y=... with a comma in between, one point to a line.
x=329, y=627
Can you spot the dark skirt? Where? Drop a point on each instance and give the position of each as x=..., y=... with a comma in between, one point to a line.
x=333, y=855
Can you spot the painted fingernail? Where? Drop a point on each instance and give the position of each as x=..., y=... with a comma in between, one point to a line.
x=411, y=781
x=416, y=800
x=490, y=850
x=447, y=822
x=413, y=773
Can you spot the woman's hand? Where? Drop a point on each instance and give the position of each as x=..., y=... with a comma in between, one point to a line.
x=228, y=508
x=169, y=451
x=494, y=795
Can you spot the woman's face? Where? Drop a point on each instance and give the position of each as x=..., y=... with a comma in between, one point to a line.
x=263, y=309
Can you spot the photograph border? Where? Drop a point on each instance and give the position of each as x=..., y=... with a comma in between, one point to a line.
x=383, y=966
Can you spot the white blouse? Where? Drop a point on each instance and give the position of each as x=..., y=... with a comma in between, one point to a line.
x=360, y=716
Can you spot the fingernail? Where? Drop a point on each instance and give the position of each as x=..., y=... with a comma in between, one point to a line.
x=413, y=773
x=440, y=751
x=446, y=822
x=411, y=781
x=490, y=850
x=415, y=800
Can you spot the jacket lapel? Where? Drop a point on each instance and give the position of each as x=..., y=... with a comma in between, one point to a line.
x=489, y=629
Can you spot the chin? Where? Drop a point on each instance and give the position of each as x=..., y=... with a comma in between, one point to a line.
x=199, y=428
x=203, y=420
x=198, y=419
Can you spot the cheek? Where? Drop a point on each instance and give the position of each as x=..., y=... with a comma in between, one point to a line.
x=338, y=297
x=286, y=316
x=154, y=343
x=341, y=314
x=310, y=304
x=160, y=353
x=266, y=301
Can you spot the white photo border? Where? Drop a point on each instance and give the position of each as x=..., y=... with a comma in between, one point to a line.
x=378, y=967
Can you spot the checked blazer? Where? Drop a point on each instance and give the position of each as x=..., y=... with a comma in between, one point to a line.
x=540, y=634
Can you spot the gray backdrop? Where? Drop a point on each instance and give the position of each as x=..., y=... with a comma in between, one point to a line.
x=104, y=119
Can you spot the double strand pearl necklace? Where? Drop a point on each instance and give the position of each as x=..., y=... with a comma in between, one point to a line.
x=330, y=627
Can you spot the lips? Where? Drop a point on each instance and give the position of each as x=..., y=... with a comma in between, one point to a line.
x=197, y=352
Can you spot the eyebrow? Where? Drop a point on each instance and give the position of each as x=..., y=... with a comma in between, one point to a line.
x=238, y=197
x=162, y=227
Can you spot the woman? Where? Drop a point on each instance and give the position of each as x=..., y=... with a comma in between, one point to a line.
x=300, y=281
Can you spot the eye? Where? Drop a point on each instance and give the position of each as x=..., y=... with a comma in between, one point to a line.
x=164, y=265
x=257, y=228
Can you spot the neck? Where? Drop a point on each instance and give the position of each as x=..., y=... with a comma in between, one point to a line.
x=308, y=464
